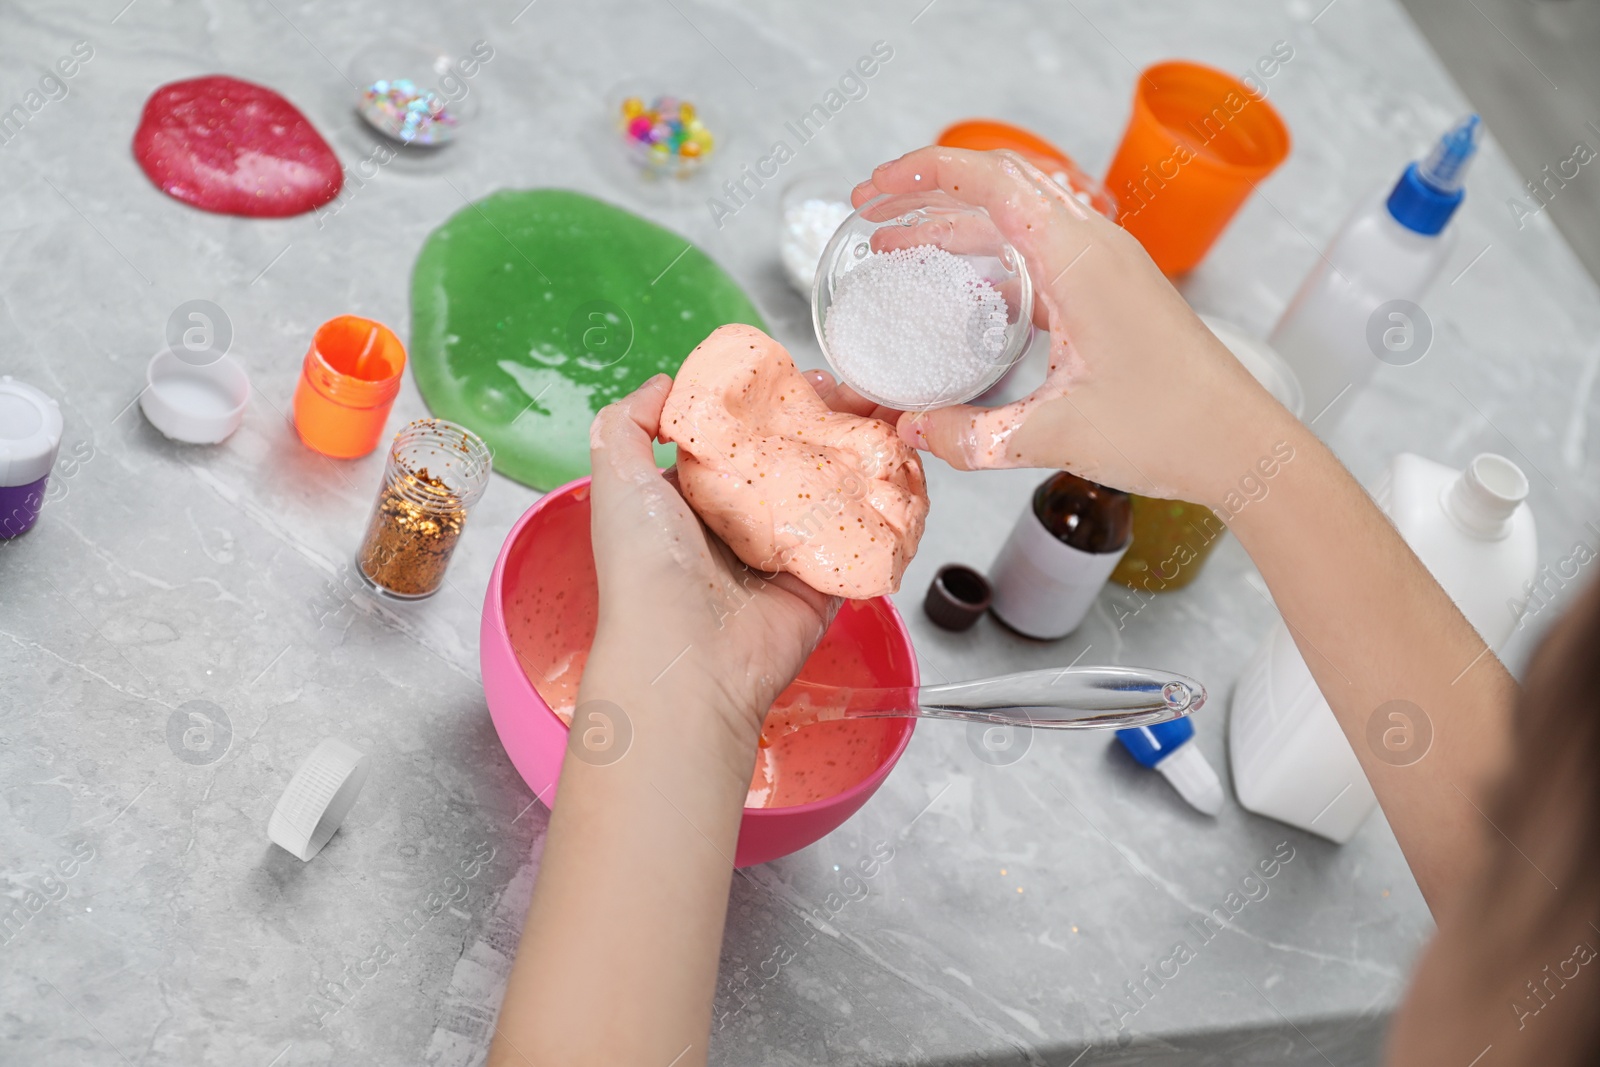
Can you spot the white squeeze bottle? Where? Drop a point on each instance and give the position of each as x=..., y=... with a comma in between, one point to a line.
x=1357, y=306
x=1290, y=759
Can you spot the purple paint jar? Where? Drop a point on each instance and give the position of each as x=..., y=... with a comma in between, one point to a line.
x=30, y=436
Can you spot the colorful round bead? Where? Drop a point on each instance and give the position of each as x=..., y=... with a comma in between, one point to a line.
x=665, y=135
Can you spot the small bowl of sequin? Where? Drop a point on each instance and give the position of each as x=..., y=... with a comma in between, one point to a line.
x=417, y=96
x=662, y=134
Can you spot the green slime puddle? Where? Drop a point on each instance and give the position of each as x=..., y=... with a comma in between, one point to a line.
x=533, y=309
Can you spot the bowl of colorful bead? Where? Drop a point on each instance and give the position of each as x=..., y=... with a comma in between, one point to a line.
x=663, y=136
x=539, y=618
x=920, y=302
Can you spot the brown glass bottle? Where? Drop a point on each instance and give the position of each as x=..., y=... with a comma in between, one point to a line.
x=1086, y=515
x=1059, y=555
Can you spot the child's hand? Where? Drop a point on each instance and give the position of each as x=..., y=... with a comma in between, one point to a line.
x=1140, y=395
x=680, y=616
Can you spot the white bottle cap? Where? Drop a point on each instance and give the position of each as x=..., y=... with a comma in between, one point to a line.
x=30, y=433
x=1193, y=778
x=198, y=405
x=319, y=796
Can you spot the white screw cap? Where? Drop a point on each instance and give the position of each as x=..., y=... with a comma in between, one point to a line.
x=319, y=796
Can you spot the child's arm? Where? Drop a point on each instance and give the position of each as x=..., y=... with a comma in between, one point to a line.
x=1141, y=396
x=618, y=961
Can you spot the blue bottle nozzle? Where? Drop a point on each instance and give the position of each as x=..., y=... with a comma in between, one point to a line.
x=1429, y=191
x=1445, y=169
x=1166, y=747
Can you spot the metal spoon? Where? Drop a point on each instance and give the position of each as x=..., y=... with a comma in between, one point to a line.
x=1072, y=698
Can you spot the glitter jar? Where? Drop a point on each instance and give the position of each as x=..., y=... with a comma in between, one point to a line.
x=347, y=385
x=435, y=473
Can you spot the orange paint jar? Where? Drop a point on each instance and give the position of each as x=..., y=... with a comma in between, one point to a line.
x=347, y=385
x=1197, y=144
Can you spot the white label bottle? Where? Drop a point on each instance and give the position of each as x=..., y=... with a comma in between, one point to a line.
x=1357, y=307
x=1060, y=553
x=1472, y=530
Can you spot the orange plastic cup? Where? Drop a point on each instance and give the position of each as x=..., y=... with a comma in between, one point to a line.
x=987, y=135
x=1198, y=142
x=347, y=385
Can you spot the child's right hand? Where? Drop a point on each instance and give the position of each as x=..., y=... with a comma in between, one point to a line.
x=1140, y=395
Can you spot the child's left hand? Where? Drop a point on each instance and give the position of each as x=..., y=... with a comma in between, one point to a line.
x=681, y=617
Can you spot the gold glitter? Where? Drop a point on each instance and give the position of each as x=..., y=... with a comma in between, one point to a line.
x=414, y=530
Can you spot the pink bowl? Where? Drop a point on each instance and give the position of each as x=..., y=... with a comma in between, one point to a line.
x=548, y=552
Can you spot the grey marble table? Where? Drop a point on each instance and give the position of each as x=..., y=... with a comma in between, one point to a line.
x=1003, y=910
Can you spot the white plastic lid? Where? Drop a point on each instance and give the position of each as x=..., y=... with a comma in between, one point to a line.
x=1193, y=778
x=319, y=796
x=1263, y=363
x=30, y=432
x=198, y=405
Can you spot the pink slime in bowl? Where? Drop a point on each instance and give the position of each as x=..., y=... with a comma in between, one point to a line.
x=552, y=540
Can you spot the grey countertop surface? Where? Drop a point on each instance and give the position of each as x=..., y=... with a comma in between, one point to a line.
x=995, y=913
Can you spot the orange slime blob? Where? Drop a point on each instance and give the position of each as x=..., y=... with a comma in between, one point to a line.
x=837, y=500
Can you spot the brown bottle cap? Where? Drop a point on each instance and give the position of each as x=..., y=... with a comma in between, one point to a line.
x=956, y=598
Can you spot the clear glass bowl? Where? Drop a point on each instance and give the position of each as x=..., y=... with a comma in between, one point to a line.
x=812, y=208
x=928, y=219
x=417, y=96
x=663, y=135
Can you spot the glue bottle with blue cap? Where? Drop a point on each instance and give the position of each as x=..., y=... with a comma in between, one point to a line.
x=1358, y=306
x=1168, y=747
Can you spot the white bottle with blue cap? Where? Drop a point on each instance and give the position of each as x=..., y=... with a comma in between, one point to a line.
x=1168, y=748
x=1357, y=307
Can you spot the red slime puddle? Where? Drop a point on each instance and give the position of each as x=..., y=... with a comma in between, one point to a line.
x=550, y=619
x=228, y=146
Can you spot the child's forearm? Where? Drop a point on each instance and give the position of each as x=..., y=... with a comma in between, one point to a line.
x=1374, y=626
x=618, y=960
